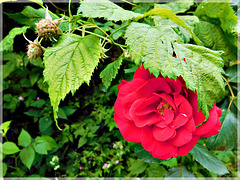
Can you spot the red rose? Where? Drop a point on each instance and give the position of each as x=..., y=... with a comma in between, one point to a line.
x=162, y=115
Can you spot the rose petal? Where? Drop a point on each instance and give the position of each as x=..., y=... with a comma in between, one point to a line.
x=122, y=83
x=182, y=137
x=184, y=150
x=157, y=85
x=175, y=85
x=128, y=130
x=142, y=73
x=210, y=124
x=162, y=148
x=190, y=125
x=150, y=117
x=130, y=87
x=197, y=114
x=168, y=115
x=118, y=108
x=167, y=98
x=162, y=134
x=147, y=139
x=172, y=153
x=127, y=103
x=185, y=107
x=179, y=121
x=161, y=124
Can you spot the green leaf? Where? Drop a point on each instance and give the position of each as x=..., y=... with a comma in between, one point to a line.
x=44, y=124
x=218, y=13
x=82, y=141
x=201, y=69
x=177, y=172
x=10, y=148
x=138, y=167
x=68, y=64
x=110, y=72
x=61, y=114
x=214, y=38
x=155, y=170
x=208, y=160
x=29, y=16
x=37, y=1
x=12, y=64
x=27, y=156
x=170, y=163
x=176, y=7
x=4, y=169
x=43, y=144
x=7, y=43
x=68, y=110
x=39, y=103
x=105, y=9
x=43, y=85
x=233, y=74
x=226, y=139
x=145, y=155
x=168, y=14
x=4, y=127
x=24, y=139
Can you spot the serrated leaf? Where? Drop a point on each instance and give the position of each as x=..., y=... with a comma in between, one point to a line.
x=10, y=148
x=27, y=156
x=168, y=14
x=106, y=9
x=201, y=69
x=110, y=72
x=208, y=160
x=68, y=64
x=226, y=139
x=138, y=167
x=212, y=11
x=43, y=144
x=176, y=7
x=213, y=37
x=24, y=139
x=29, y=16
x=145, y=155
x=178, y=172
x=7, y=43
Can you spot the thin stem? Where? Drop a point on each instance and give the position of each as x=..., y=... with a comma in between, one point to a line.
x=129, y=2
x=57, y=6
x=118, y=30
x=69, y=9
x=181, y=168
x=230, y=92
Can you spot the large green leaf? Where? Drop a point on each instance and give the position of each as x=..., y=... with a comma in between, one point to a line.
x=10, y=148
x=176, y=7
x=4, y=127
x=208, y=160
x=7, y=43
x=43, y=144
x=213, y=37
x=226, y=139
x=168, y=14
x=219, y=13
x=179, y=172
x=105, y=9
x=29, y=16
x=110, y=72
x=68, y=64
x=145, y=155
x=201, y=69
x=137, y=167
x=24, y=139
x=27, y=156
x=38, y=2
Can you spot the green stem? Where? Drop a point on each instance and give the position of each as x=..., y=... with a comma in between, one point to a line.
x=129, y=2
x=118, y=30
x=69, y=9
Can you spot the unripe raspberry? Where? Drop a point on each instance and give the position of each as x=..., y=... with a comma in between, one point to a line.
x=34, y=50
x=47, y=29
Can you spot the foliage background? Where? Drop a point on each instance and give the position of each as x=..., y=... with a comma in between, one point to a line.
x=90, y=144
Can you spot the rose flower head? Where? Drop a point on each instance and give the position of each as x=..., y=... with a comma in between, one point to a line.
x=162, y=114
